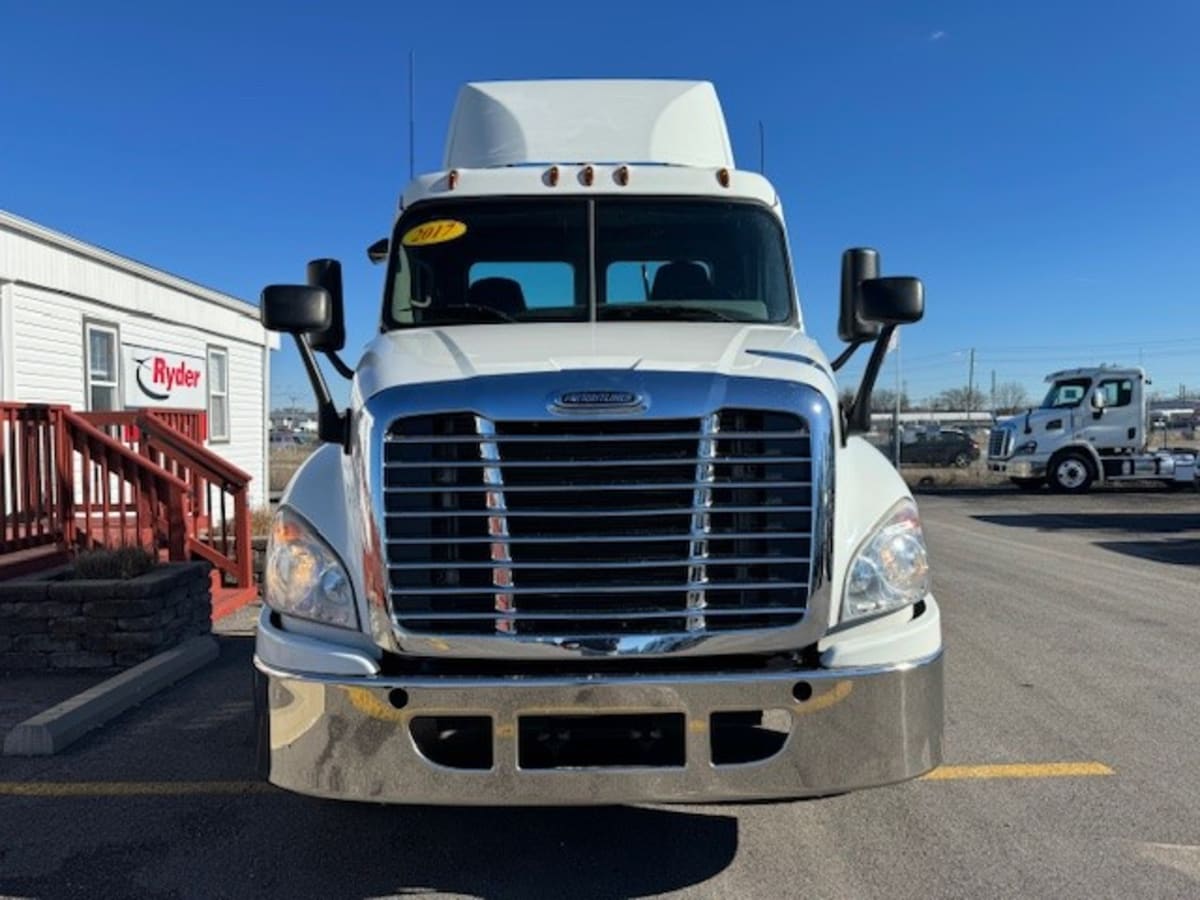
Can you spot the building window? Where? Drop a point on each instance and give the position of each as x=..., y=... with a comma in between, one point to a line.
x=100, y=345
x=218, y=394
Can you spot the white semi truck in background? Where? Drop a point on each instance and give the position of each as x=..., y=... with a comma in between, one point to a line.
x=594, y=528
x=1092, y=427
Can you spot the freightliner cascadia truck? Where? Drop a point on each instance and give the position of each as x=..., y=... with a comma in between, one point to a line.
x=594, y=527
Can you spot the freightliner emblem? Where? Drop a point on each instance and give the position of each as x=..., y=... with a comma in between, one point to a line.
x=583, y=400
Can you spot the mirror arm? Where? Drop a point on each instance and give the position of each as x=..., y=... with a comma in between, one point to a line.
x=859, y=418
x=340, y=364
x=844, y=356
x=332, y=425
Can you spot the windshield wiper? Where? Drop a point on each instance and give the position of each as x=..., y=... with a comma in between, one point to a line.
x=666, y=313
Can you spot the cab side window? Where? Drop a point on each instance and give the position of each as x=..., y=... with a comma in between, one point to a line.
x=1116, y=391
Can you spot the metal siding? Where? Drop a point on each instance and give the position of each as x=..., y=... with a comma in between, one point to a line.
x=47, y=349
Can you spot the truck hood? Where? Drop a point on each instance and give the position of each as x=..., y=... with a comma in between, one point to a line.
x=468, y=351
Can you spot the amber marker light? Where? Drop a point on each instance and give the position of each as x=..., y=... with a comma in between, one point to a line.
x=622, y=175
x=723, y=177
x=552, y=176
x=587, y=176
x=452, y=179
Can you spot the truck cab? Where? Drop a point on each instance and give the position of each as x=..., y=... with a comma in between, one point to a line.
x=594, y=527
x=1091, y=427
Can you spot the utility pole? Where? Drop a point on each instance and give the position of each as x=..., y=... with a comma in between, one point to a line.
x=971, y=385
x=993, y=393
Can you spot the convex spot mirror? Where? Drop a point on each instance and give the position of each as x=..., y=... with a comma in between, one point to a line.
x=296, y=308
x=378, y=251
x=892, y=301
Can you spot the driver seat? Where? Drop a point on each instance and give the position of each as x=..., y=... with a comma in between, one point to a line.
x=501, y=294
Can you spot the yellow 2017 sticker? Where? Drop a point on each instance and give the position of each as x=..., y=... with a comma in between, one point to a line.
x=437, y=231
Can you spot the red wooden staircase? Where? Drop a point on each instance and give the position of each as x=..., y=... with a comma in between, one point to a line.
x=72, y=481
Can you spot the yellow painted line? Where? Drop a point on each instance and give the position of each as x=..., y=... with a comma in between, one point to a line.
x=68, y=789
x=1019, y=770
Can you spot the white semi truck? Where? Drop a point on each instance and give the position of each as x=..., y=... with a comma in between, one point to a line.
x=594, y=528
x=1092, y=427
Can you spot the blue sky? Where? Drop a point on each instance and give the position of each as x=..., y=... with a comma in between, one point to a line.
x=1037, y=164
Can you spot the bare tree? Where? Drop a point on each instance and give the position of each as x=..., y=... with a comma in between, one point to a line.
x=961, y=398
x=1011, y=396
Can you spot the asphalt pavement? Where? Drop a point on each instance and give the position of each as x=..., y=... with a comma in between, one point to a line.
x=1073, y=710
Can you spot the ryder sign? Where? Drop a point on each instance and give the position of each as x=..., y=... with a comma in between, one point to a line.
x=161, y=378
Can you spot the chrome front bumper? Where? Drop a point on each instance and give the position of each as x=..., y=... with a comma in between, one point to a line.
x=343, y=737
x=1018, y=468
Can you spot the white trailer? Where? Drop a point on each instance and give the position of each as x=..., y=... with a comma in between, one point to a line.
x=1091, y=427
x=594, y=528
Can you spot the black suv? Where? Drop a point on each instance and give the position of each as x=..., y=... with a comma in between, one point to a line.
x=948, y=447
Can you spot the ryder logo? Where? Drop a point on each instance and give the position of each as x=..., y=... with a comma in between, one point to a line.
x=159, y=378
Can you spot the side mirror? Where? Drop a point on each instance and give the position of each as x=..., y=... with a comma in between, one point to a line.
x=858, y=265
x=1099, y=402
x=892, y=301
x=296, y=308
x=327, y=275
x=378, y=251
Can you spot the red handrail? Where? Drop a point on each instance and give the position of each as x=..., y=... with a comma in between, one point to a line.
x=32, y=509
x=205, y=473
x=153, y=496
x=64, y=482
x=107, y=479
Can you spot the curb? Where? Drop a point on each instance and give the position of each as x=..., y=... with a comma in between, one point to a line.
x=52, y=730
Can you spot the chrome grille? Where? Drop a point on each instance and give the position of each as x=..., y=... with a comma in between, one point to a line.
x=998, y=443
x=581, y=527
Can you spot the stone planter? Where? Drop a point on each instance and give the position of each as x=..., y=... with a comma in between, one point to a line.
x=55, y=622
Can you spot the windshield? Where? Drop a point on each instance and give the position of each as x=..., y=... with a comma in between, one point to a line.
x=489, y=261
x=1066, y=393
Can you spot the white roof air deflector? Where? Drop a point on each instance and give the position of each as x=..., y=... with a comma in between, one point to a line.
x=508, y=123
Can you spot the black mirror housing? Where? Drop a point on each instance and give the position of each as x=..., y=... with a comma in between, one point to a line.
x=378, y=251
x=327, y=274
x=858, y=265
x=296, y=308
x=892, y=301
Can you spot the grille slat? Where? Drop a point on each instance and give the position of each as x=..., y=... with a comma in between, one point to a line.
x=668, y=526
x=607, y=486
x=625, y=614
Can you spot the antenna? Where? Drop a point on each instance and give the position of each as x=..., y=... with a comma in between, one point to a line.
x=412, y=114
x=762, y=149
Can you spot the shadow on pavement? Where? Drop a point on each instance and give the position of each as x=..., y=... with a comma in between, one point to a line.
x=1176, y=552
x=1118, y=523
x=276, y=844
x=1173, y=551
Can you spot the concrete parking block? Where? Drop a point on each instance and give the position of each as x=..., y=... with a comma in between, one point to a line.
x=50, y=731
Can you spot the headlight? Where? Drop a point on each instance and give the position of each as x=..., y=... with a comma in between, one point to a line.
x=890, y=569
x=303, y=577
x=1027, y=447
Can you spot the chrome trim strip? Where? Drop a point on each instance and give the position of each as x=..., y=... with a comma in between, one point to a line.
x=497, y=527
x=677, y=395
